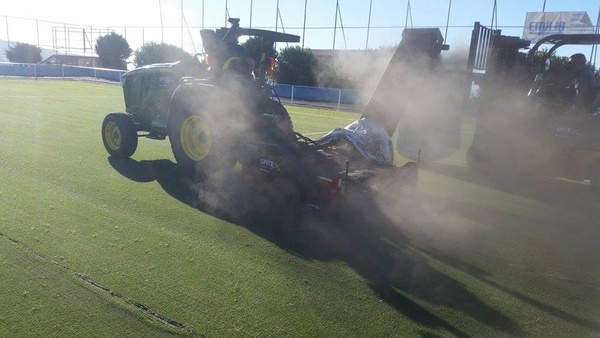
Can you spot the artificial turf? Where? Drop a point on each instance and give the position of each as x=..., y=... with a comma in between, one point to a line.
x=466, y=258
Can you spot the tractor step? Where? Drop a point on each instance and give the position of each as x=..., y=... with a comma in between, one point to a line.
x=158, y=131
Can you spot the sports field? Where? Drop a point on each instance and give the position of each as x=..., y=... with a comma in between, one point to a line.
x=93, y=246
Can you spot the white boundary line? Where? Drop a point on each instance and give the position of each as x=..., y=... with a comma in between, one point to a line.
x=317, y=133
x=326, y=116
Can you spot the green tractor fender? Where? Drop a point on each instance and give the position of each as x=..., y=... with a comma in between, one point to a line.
x=190, y=92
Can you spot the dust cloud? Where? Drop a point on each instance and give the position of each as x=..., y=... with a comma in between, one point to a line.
x=383, y=227
x=421, y=95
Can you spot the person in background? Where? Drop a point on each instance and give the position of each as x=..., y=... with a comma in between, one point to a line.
x=583, y=86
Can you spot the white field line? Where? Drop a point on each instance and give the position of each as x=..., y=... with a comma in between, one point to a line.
x=325, y=116
x=54, y=96
x=317, y=133
x=500, y=261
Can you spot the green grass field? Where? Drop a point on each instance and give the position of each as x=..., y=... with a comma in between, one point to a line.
x=91, y=246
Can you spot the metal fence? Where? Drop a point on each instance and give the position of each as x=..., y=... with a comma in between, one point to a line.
x=59, y=71
x=335, y=97
x=328, y=97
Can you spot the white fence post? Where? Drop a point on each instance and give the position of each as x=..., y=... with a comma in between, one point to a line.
x=35, y=71
x=292, y=96
x=62, y=68
x=339, y=98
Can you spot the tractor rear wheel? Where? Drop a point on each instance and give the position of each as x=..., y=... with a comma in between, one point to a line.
x=119, y=135
x=283, y=122
x=200, y=142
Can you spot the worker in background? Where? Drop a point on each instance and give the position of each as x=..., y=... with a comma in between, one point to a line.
x=583, y=85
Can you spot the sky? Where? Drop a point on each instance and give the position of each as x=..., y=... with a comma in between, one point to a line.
x=60, y=24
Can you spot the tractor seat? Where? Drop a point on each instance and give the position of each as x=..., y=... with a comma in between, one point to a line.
x=209, y=40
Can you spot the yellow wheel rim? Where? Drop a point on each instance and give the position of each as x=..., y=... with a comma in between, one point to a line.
x=112, y=135
x=195, y=138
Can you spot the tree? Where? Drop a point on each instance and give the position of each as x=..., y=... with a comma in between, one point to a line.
x=113, y=51
x=253, y=46
x=153, y=52
x=23, y=53
x=296, y=66
x=332, y=75
x=558, y=62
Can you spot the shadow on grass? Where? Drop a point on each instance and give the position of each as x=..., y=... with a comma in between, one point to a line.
x=485, y=278
x=361, y=237
x=572, y=197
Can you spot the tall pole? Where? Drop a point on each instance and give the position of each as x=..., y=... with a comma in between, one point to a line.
x=408, y=13
x=448, y=19
x=7, y=36
x=277, y=16
x=594, y=52
x=276, y=22
x=337, y=4
x=251, y=3
x=162, y=37
x=202, y=14
x=226, y=12
x=494, y=15
x=369, y=25
x=67, y=38
x=304, y=25
x=544, y=6
x=181, y=24
x=37, y=28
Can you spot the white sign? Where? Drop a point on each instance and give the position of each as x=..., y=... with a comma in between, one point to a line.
x=542, y=24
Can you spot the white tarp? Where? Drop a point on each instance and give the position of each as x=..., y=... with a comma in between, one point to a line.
x=541, y=24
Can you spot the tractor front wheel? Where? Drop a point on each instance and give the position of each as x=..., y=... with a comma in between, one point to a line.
x=119, y=135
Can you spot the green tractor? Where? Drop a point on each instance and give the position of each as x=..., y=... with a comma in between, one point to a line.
x=216, y=117
x=199, y=108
